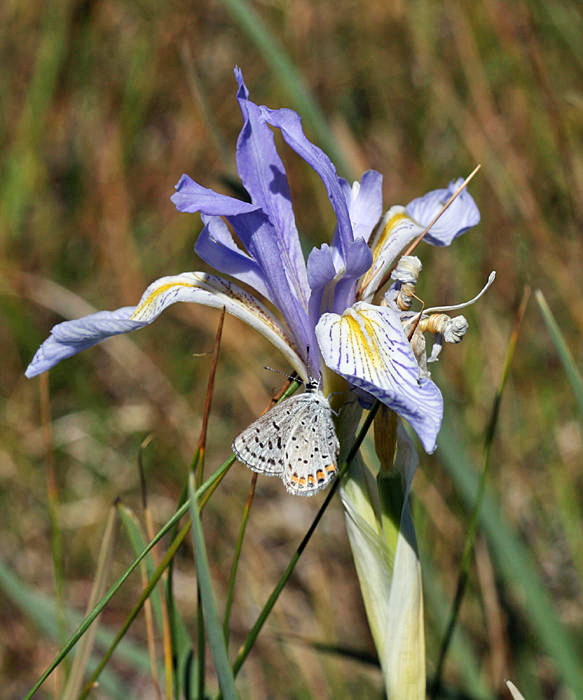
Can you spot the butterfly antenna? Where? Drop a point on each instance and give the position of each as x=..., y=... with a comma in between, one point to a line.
x=293, y=377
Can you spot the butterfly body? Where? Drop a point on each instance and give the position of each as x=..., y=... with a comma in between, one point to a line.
x=295, y=440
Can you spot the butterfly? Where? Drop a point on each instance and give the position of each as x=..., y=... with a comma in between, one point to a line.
x=295, y=440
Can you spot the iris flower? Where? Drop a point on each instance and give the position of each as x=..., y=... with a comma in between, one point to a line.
x=319, y=314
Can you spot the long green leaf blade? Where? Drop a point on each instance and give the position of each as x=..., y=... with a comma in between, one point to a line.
x=215, y=633
x=571, y=370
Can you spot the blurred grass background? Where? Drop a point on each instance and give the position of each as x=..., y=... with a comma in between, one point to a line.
x=103, y=106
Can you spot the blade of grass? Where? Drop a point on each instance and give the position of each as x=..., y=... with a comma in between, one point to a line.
x=132, y=528
x=181, y=641
x=282, y=66
x=215, y=635
x=203, y=491
x=172, y=549
x=166, y=633
x=138, y=543
x=200, y=452
x=79, y=666
x=474, y=516
x=569, y=508
x=573, y=374
x=236, y=557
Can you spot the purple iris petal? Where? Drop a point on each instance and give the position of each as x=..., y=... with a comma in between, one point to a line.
x=461, y=215
x=321, y=272
x=70, y=337
x=191, y=197
x=263, y=175
x=215, y=245
x=262, y=242
x=365, y=209
x=367, y=346
x=358, y=261
x=290, y=125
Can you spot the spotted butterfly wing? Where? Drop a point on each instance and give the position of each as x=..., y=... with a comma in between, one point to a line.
x=296, y=441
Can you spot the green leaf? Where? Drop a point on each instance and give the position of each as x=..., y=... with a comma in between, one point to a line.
x=382, y=539
x=571, y=370
x=213, y=626
x=182, y=640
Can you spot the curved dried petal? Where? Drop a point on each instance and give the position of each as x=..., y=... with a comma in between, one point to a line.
x=368, y=347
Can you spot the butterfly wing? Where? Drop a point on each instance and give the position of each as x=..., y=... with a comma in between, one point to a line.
x=311, y=449
x=261, y=446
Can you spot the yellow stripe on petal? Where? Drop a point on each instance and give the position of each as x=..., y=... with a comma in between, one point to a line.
x=397, y=231
x=145, y=304
x=368, y=347
x=362, y=334
x=209, y=290
x=389, y=227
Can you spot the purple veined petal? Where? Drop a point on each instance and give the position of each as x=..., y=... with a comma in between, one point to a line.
x=333, y=284
x=365, y=203
x=215, y=245
x=358, y=261
x=257, y=233
x=71, y=337
x=263, y=175
x=461, y=215
x=321, y=272
x=290, y=125
x=396, y=231
x=191, y=197
x=368, y=347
